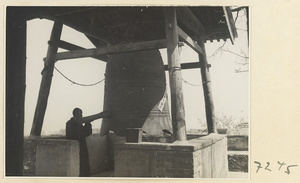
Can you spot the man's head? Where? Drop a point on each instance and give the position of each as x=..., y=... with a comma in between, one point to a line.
x=77, y=113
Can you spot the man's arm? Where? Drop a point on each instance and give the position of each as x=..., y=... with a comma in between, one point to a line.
x=87, y=119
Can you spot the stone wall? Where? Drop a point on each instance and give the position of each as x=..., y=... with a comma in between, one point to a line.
x=238, y=153
x=203, y=157
x=237, y=143
x=199, y=157
x=29, y=157
x=51, y=157
x=238, y=161
x=98, y=153
x=56, y=156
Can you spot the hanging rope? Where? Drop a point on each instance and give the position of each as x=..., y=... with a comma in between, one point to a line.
x=191, y=83
x=73, y=82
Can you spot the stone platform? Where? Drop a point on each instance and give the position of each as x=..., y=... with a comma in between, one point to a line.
x=51, y=157
x=201, y=157
x=55, y=156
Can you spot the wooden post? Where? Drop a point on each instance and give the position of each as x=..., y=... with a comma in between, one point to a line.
x=15, y=89
x=177, y=105
x=206, y=82
x=47, y=74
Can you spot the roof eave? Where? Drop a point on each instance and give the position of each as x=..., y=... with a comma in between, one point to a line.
x=230, y=23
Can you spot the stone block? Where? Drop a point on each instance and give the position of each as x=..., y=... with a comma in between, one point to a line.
x=238, y=162
x=56, y=157
x=202, y=163
x=204, y=157
x=98, y=152
x=219, y=159
x=237, y=143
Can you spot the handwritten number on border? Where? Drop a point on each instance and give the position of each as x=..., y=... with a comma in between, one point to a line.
x=259, y=165
x=281, y=164
x=268, y=164
x=267, y=167
x=288, y=168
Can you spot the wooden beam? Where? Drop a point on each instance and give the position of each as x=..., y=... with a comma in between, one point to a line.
x=177, y=104
x=230, y=23
x=191, y=65
x=47, y=74
x=187, y=17
x=96, y=32
x=97, y=43
x=71, y=47
x=72, y=11
x=67, y=46
x=206, y=80
x=121, y=48
x=189, y=41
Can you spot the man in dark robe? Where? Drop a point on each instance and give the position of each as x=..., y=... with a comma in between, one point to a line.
x=75, y=130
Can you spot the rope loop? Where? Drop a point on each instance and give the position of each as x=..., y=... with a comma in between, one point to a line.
x=73, y=82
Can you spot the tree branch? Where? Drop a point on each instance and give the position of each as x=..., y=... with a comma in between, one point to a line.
x=245, y=57
x=239, y=70
x=238, y=9
x=219, y=49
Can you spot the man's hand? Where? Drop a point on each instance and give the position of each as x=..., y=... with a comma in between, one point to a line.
x=105, y=114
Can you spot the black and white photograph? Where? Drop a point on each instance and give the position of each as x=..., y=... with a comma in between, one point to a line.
x=200, y=91
x=127, y=91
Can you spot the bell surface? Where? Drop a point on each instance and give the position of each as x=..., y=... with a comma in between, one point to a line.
x=135, y=94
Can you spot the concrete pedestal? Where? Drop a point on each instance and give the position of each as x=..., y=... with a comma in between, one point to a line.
x=202, y=157
x=56, y=156
x=51, y=157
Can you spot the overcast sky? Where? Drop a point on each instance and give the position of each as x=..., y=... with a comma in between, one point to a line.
x=230, y=89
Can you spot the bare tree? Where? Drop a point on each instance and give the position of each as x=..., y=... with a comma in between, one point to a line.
x=241, y=17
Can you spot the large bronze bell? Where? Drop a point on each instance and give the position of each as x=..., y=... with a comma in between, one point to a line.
x=135, y=93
